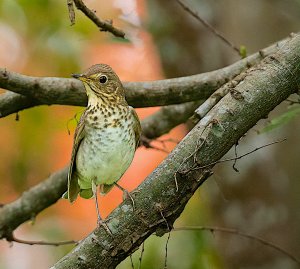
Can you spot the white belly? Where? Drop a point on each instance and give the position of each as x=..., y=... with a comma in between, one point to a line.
x=104, y=155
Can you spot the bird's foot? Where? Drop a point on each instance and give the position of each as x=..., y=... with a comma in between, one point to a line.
x=126, y=195
x=100, y=223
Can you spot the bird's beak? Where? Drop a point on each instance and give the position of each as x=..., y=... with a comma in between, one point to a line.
x=81, y=77
x=78, y=76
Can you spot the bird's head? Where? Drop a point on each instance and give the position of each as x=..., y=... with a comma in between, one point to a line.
x=100, y=81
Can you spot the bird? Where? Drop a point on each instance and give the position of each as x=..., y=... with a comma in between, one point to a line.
x=106, y=137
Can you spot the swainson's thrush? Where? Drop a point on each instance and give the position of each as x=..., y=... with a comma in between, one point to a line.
x=106, y=136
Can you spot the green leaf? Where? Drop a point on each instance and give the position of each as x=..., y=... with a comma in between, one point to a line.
x=283, y=119
x=243, y=51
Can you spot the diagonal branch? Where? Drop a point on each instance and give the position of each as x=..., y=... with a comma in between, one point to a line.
x=32, y=202
x=63, y=91
x=167, y=118
x=105, y=26
x=264, y=87
x=208, y=26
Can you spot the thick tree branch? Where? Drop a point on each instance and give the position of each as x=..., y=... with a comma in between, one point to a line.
x=63, y=91
x=262, y=89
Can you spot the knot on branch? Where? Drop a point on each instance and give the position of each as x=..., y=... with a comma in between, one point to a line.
x=4, y=73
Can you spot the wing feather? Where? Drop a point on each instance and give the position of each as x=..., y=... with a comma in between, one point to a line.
x=136, y=127
x=73, y=186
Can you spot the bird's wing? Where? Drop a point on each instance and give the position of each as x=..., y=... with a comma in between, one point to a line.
x=136, y=127
x=73, y=186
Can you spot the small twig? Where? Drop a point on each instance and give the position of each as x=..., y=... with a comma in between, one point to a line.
x=166, y=250
x=208, y=26
x=235, y=155
x=243, y=155
x=176, y=181
x=41, y=243
x=292, y=102
x=242, y=234
x=71, y=11
x=131, y=261
x=146, y=142
x=167, y=242
x=157, y=148
x=171, y=140
x=141, y=256
x=17, y=117
x=164, y=141
x=105, y=26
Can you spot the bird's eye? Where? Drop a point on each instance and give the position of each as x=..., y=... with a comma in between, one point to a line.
x=103, y=79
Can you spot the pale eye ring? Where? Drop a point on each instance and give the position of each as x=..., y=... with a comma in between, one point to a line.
x=103, y=79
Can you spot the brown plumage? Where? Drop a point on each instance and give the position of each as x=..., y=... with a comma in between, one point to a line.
x=106, y=136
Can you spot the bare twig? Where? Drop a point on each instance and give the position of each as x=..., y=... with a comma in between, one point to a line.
x=131, y=262
x=166, y=250
x=169, y=235
x=171, y=140
x=242, y=234
x=141, y=255
x=71, y=11
x=146, y=142
x=292, y=102
x=235, y=155
x=243, y=155
x=41, y=243
x=106, y=26
x=208, y=26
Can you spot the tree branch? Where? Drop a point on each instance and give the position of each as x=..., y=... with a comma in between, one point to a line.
x=208, y=26
x=105, y=26
x=63, y=91
x=167, y=118
x=264, y=87
x=32, y=202
x=242, y=234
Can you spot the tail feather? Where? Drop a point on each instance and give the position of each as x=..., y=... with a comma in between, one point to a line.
x=105, y=188
x=86, y=193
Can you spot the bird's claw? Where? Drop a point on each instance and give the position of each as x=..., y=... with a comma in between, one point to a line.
x=100, y=223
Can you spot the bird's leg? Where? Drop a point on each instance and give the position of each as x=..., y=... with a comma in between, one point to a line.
x=99, y=219
x=125, y=194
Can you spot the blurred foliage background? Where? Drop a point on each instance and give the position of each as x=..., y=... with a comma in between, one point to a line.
x=164, y=41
